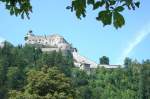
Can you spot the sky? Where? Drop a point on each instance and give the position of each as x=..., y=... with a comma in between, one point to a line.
x=87, y=35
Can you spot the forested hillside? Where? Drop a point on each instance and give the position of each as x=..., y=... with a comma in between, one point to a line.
x=28, y=73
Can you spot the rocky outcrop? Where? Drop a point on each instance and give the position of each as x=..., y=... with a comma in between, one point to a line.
x=81, y=61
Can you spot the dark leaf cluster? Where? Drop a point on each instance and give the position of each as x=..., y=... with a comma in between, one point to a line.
x=109, y=10
x=18, y=7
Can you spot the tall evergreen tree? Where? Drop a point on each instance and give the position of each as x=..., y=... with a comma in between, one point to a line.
x=104, y=60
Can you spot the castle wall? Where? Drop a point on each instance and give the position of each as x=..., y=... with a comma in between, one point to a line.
x=50, y=49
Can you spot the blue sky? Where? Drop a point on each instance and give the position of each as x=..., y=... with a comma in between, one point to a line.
x=87, y=35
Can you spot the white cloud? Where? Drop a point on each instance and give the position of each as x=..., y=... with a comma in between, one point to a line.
x=140, y=36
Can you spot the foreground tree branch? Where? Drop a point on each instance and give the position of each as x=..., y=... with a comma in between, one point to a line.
x=109, y=10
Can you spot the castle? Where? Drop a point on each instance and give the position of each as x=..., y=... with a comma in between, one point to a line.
x=56, y=42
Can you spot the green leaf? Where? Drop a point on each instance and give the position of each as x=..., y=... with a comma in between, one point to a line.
x=105, y=17
x=11, y=11
x=118, y=20
x=79, y=7
x=137, y=4
x=8, y=7
x=98, y=4
x=107, y=6
x=119, y=9
x=112, y=2
x=90, y=1
x=22, y=15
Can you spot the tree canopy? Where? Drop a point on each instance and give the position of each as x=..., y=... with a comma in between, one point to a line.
x=48, y=83
x=109, y=10
x=104, y=60
x=28, y=73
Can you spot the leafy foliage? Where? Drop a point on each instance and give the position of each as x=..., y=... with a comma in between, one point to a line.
x=48, y=83
x=104, y=60
x=18, y=7
x=28, y=73
x=16, y=62
x=110, y=12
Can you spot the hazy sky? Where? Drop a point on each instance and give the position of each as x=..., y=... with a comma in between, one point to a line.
x=87, y=35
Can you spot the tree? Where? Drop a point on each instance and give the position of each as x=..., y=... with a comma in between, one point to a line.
x=144, y=80
x=15, y=78
x=127, y=62
x=18, y=7
x=110, y=13
x=30, y=54
x=3, y=89
x=113, y=84
x=6, y=61
x=47, y=83
x=104, y=60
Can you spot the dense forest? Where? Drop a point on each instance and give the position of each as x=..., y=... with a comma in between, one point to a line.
x=28, y=73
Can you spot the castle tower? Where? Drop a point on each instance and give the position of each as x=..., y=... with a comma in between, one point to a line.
x=28, y=35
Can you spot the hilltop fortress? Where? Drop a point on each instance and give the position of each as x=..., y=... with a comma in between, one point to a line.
x=51, y=41
x=56, y=42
